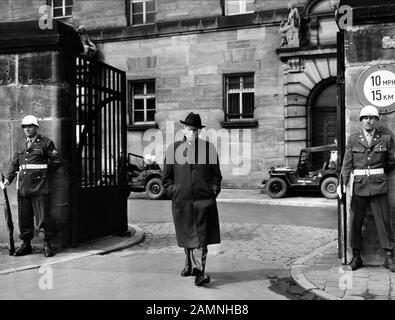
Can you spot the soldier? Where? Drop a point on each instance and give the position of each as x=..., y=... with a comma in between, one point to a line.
x=369, y=156
x=30, y=167
x=192, y=179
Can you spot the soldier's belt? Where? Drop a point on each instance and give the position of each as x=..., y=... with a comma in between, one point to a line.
x=368, y=172
x=33, y=166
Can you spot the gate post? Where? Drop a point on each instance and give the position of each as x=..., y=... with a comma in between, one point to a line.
x=35, y=79
x=369, y=49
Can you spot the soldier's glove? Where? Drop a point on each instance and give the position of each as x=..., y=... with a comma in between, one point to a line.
x=4, y=184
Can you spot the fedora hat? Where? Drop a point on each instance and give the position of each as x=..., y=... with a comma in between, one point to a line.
x=193, y=119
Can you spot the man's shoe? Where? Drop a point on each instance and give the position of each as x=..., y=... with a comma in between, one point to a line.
x=25, y=249
x=356, y=263
x=186, y=272
x=201, y=279
x=388, y=263
x=48, y=251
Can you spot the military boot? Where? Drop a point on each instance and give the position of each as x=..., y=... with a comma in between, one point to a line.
x=25, y=249
x=356, y=262
x=48, y=251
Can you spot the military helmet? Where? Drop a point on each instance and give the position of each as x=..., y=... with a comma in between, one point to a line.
x=28, y=120
x=369, y=111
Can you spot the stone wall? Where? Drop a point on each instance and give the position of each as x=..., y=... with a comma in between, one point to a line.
x=20, y=10
x=112, y=13
x=189, y=71
x=33, y=83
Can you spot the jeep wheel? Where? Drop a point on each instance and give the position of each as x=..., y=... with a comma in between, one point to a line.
x=328, y=188
x=276, y=188
x=154, y=189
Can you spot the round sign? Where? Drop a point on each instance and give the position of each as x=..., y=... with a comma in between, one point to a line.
x=376, y=86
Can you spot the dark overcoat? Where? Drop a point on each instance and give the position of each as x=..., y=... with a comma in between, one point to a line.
x=192, y=179
x=359, y=155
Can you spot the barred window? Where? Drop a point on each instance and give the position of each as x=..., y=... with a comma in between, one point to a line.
x=239, y=97
x=142, y=101
x=142, y=11
x=233, y=7
x=62, y=8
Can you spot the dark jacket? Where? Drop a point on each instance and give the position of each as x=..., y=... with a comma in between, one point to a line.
x=358, y=155
x=193, y=188
x=34, y=182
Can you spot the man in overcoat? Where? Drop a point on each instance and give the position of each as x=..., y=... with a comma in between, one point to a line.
x=368, y=157
x=192, y=179
x=30, y=166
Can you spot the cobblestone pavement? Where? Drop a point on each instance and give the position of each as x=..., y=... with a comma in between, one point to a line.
x=275, y=245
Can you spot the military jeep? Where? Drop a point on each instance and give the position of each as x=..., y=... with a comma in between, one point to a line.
x=144, y=174
x=316, y=171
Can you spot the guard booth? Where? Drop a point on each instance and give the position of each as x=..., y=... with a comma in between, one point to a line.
x=366, y=76
x=80, y=105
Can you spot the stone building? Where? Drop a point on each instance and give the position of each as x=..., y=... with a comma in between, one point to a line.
x=222, y=59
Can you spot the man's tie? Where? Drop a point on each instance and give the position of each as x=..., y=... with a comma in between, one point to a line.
x=369, y=138
x=29, y=143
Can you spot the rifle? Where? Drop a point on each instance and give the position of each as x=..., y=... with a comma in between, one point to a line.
x=8, y=220
x=344, y=204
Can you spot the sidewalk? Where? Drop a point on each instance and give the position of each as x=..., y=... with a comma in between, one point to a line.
x=323, y=274
x=257, y=196
x=10, y=264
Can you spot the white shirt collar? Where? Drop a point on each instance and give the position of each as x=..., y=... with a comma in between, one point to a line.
x=369, y=134
x=31, y=139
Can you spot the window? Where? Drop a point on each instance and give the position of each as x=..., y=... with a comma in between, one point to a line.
x=62, y=8
x=239, y=97
x=142, y=11
x=142, y=101
x=233, y=7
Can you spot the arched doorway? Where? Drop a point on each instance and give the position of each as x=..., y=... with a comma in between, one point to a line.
x=322, y=106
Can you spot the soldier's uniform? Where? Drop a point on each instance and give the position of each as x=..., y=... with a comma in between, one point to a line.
x=370, y=165
x=30, y=166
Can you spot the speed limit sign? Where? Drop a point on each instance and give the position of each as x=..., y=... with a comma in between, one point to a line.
x=376, y=86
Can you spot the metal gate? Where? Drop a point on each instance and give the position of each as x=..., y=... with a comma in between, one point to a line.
x=98, y=183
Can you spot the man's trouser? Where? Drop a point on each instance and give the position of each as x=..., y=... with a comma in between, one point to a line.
x=31, y=207
x=382, y=217
x=195, y=258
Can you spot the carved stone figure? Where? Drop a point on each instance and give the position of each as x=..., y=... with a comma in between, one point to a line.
x=289, y=29
x=89, y=47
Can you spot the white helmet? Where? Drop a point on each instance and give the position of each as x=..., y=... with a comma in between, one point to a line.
x=369, y=111
x=27, y=120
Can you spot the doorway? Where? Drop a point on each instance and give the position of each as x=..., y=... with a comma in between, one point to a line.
x=323, y=106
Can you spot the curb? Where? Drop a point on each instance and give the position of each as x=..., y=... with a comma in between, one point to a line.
x=276, y=202
x=301, y=280
x=136, y=238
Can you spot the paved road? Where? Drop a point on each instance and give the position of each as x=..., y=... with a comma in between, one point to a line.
x=259, y=243
x=160, y=211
